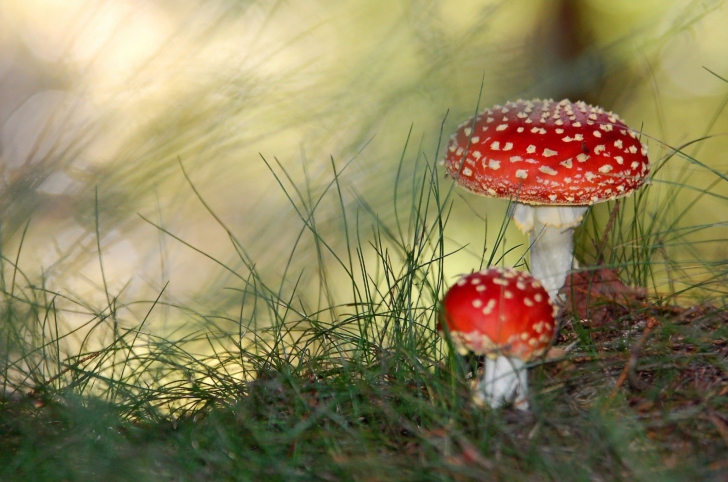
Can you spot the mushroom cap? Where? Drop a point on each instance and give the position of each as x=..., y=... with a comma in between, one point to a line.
x=500, y=311
x=546, y=152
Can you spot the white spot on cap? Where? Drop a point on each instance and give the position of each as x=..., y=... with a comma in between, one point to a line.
x=590, y=176
x=567, y=139
x=635, y=165
x=578, y=137
x=552, y=197
x=537, y=297
x=521, y=173
x=632, y=149
x=502, y=127
x=547, y=170
x=582, y=157
x=531, y=149
x=619, y=159
x=477, y=154
x=597, y=134
x=477, y=303
x=516, y=158
x=500, y=282
x=618, y=143
x=508, y=146
x=493, y=164
x=559, y=131
x=528, y=302
x=495, y=146
x=520, y=129
x=508, y=295
x=461, y=281
x=605, y=168
x=467, y=131
x=467, y=172
x=480, y=288
x=567, y=163
x=489, y=307
x=549, y=153
x=475, y=139
x=576, y=124
x=600, y=148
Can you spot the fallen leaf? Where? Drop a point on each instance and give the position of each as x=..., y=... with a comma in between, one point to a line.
x=591, y=293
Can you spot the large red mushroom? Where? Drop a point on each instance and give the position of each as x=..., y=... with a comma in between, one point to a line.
x=554, y=159
x=507, y=316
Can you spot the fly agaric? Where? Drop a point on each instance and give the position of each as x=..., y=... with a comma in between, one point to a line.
x=555, y=159
x=506, y=315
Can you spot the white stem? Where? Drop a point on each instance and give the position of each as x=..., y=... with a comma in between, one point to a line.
x=552, y=256
x=505, y=381
x=550, y=231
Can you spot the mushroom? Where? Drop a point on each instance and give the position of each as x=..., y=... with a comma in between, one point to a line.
x=507, y=316
x=555, y=159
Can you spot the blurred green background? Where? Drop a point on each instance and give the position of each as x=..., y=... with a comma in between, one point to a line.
x=106, y=98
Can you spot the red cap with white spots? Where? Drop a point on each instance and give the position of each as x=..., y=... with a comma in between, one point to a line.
x=500, y=312
x=546, y=152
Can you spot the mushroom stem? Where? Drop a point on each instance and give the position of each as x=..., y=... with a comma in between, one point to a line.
x=551, y=235
x=505, y=380
x=552, y=256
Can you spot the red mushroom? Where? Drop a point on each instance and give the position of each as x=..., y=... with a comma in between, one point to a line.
x=554, y=159
x=506, y=315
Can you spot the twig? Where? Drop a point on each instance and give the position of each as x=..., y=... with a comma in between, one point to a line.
x=630, y=369
x=720, y=425
x=607, y=230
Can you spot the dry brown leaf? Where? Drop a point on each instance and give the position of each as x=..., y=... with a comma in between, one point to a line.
x=591, y=294
x=556, y=352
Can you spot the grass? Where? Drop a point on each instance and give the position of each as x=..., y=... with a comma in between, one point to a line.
x=295, y=389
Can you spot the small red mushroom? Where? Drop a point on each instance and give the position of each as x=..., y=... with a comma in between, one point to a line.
x=506, y=315
x=555, y=159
